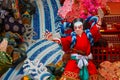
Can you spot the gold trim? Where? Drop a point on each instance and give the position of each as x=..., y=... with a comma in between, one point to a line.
x=68, y=75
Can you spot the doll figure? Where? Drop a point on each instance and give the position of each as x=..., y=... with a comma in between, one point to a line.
x=78, y=45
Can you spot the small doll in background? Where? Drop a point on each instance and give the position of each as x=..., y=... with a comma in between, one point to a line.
x=78, y=45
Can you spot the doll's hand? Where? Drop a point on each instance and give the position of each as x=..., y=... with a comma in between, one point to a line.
x=57, y=40
x=48, y=35
x=100, y=15
x=52, y=37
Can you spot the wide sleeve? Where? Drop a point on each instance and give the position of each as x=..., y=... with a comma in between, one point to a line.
x=88, y=50
x=95, y=33
x=65, y=42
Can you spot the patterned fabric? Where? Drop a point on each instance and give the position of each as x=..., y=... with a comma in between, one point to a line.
x=70, y=76
x=13, y=25
x=44, y=17
x=28, y=35
x=58, y=23
x=45, y=51
x=109, y=70
x=5, y=61
x=34, y=69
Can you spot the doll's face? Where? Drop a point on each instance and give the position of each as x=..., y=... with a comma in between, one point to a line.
x=78, y=28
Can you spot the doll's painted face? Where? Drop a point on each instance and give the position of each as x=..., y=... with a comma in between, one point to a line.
x=78, y=28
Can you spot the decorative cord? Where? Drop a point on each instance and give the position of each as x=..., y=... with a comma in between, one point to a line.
x=89, y=35
x=73, y=34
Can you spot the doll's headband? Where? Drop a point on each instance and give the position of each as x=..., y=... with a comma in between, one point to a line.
x=78, y=23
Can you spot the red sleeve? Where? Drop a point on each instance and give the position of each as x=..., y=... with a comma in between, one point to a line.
x=88, y=50
x=95, y=33
x=66, y=43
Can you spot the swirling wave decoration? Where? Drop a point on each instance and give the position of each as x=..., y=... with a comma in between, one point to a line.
x=42, y=50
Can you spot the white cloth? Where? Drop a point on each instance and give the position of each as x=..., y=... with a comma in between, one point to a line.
x=82, y=59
